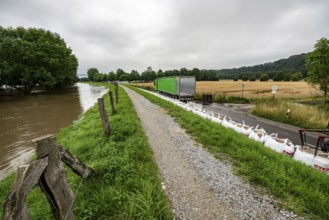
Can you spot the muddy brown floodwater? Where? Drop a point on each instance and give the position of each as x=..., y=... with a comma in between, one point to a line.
x=23, y=118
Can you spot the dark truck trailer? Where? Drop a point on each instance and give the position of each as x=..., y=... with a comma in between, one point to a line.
x=180, y=87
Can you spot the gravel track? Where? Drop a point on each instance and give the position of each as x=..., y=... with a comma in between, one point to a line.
x=198, y=185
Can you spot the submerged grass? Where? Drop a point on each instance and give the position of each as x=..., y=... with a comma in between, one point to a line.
x=126, y=183
x=300, y=188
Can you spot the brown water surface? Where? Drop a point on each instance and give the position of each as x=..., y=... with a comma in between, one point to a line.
x=23, y=118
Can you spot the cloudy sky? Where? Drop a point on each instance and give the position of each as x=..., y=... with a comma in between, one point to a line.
x=171, y=34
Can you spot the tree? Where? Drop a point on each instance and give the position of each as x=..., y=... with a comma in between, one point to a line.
x=252, y=78
x=278, y=76
x=297, y=76
x=119, y=73
x=160, y=73
x=134, y=75
x=196, y=72
x=286, y=77
x=149, y=75
x=112, y=76
x=92, y=72
x=264, y=77
x=183, y=72
x=124, y=77
x=317, y=64
x=35, y=57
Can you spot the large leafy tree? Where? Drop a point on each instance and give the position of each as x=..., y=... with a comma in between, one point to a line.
x=92, y=73
x=317, y=64
x=120, y=72
x=35, y=57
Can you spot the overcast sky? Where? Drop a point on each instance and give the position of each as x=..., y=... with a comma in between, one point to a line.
x=171, y=34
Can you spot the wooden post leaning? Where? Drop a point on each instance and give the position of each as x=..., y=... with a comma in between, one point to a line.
x=27, y=177
x=48, y=171
x=53, y=181
x=112, y=102
x=104, y=117
x=116, y=92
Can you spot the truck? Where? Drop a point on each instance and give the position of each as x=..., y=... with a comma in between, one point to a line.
x=179, y=87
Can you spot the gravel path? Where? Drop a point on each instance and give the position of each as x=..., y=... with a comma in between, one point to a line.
x=198, y=185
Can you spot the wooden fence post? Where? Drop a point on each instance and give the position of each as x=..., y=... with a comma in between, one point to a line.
x=116, y=92
x=27, y=177
x=112, y=102
x=53, y=181
x=48, y=171
x=104, y=117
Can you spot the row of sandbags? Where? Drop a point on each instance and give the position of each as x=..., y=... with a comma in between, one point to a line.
x=272, y=141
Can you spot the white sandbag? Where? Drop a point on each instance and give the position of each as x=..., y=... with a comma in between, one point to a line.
x=321, y=163
x=303, y=157
x=280, y=145
x=258, y=134
x=226, y=121
x=243, y=128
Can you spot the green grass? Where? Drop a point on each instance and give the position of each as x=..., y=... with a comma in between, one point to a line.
x=304, y=116
x=299, y=188
x=126, y=184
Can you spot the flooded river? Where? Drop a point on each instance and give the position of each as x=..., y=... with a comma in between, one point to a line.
x=23, y=118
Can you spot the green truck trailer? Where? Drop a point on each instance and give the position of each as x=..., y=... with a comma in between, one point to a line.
x=181, y=87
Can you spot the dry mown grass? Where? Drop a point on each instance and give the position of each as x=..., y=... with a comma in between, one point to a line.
x=255, y=89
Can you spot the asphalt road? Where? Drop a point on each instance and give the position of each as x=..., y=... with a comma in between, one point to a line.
x=239, y=113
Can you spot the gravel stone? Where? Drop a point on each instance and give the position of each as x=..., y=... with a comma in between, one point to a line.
x=198, y=185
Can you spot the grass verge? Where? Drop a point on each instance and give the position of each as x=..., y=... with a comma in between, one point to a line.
x=299, y=188
x=126, y=184
x=304, y=116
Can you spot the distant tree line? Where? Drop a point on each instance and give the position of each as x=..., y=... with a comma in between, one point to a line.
x=148, y=75
x=280, y=70
x=290, y=69
x=35, y=57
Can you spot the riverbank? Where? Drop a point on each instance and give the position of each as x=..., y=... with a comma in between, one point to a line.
x=126, y=183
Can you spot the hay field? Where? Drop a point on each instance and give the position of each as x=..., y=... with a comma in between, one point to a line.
x=255, y=89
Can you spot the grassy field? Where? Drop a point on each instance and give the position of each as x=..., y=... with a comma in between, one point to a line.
x=126, y=184
x=300, y=188
x=255, y=89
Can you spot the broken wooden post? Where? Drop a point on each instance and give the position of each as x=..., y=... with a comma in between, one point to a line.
x=116, y=92
x=50, y=174
x=104, y=117
x=27, y=177
x=77, y=167
x=53, y=181
x=112, y=102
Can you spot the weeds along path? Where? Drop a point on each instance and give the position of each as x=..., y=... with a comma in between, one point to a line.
x=198, y=185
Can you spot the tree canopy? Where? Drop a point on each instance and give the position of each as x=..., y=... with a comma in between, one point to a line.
x=317, y=63
x=35, y=57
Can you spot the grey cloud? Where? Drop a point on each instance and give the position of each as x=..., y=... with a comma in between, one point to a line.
x=171, y=34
